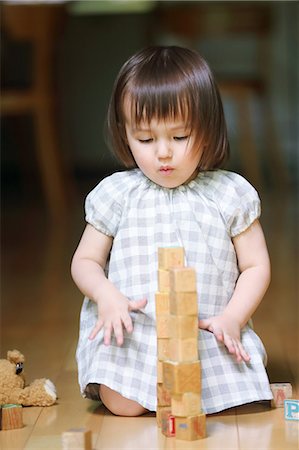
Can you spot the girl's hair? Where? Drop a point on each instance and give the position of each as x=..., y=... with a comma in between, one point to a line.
x=169, y=83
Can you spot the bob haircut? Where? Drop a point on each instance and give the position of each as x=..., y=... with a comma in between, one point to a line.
x=168, y=83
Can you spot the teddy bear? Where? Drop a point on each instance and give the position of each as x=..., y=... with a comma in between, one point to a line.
x=40, y=392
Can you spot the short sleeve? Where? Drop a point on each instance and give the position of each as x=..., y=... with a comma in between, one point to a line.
x=237, y=200
x=102, y=206
x=244, y=205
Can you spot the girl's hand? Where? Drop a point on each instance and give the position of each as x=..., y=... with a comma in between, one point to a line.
x=226, y=330
x=113, y=316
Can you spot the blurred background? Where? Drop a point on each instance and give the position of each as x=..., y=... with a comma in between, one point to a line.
x=58, y=63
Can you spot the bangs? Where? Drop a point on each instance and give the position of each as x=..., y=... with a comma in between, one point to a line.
x=166, y=102
x=163, y=87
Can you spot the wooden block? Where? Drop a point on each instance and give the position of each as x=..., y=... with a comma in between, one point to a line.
x=187, y=404
x=179, y=378
x=163, y=280
x=159, y=412
x=183, y=350
x=162, y=303
x=163, y=395
x=191, y=428
x=183, y=303
x=11, y=417
x=291, y=409
x=183, y=327
x=280, y=391
x=167, y=423
x=159, y=371
x=171, y=257
x=77, y=439
x=182, y=279
x=163, y=348
x=163, y=322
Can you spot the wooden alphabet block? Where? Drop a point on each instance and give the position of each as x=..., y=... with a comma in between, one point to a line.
x=168, y=423
x=163, y=323
x=77, y=439
x=183, y=303
x=160, y=410
x=11, y=417
x=179, y=378
x=159, y=371
x=163, y=280
x=187, y=404
x=182, y=279
x=183, y=350
x=163, y=348
x=162, y=301
x=281, y=392
x=183, y=327
x=163, y=395
x=191, y=428
x=291, y=409
x=171, y=257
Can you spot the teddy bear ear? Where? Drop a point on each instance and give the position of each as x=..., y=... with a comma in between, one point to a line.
x=15, y=356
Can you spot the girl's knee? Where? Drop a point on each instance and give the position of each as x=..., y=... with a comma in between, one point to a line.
x=119, y=405
x=126, y=410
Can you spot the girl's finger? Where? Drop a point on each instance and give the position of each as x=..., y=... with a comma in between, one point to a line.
x=127, y=322
x=96, y=329
x=245, y=356
x=107, y=333
x=118, y=332
x=204, y=324
x=229, y=344
x=219, y=335
x=137, y=304
x=237, y=352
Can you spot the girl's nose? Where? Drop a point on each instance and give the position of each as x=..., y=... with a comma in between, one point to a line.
x=164, y=150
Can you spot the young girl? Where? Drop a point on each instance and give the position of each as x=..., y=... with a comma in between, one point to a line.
x=166, y=124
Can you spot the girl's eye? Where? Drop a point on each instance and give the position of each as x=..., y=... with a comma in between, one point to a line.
x=145, y=141
x=180, y=138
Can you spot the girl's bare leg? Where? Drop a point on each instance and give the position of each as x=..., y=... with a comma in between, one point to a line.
x=119, y=405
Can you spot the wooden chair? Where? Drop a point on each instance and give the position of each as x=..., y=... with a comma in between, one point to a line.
x=40, y=25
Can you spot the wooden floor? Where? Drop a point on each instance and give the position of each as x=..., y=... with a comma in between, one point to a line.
x=40, y=310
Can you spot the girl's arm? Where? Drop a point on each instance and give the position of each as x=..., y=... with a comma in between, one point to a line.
x=254, y=279
x=87, y=270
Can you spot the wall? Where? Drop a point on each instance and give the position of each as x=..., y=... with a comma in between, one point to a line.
x=94, y=48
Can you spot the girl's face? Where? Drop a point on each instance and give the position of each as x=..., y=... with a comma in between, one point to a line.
x=164, y=150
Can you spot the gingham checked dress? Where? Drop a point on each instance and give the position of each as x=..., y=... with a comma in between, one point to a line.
x=202, y=216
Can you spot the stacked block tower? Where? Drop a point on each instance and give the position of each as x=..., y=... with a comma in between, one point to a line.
x=179, y=410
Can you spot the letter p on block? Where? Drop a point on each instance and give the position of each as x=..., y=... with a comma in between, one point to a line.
x=291, y=409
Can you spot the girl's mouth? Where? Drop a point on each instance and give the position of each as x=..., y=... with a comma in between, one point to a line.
x=166, y=170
